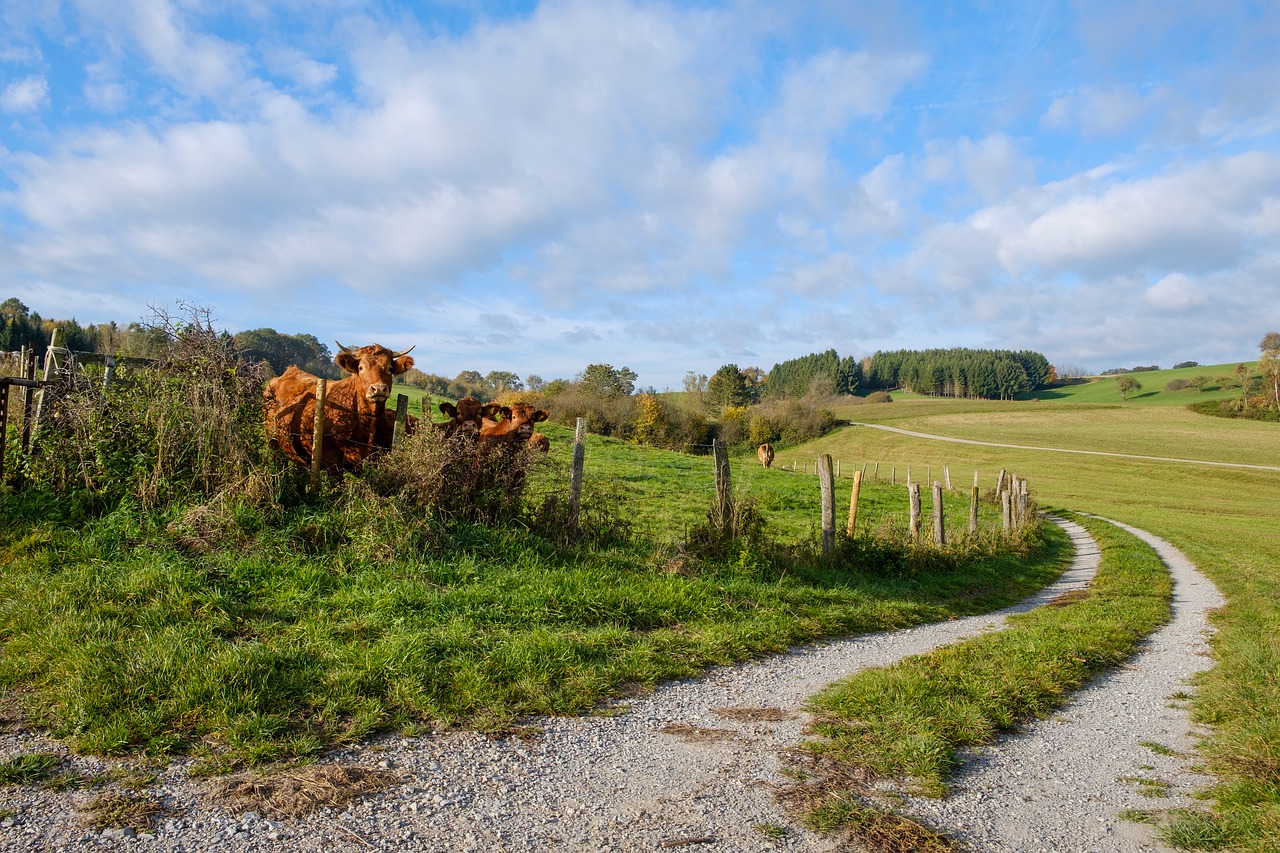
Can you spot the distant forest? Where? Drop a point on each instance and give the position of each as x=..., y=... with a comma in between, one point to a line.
x=991, y=374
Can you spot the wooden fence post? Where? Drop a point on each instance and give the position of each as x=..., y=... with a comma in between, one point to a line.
x=4, y=421
x=853, y=503
x=827, y=484
x=575, y=479
x=317, y=438
x=1000, y=482
x=1006, y=510
x=837, y=469
x=973, y=512
x=946, y=475
x=402, y=421
x=724, y=486
x=28, y=399
x=939, y=529
x=875, y=475
x=913, y=492
x=1023, y=498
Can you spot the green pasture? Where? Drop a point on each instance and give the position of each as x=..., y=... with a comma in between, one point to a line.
x=245, y=633
x=1224, y=519
x=1103, y=389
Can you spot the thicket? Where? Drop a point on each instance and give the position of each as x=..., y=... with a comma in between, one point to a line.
x=823, y=374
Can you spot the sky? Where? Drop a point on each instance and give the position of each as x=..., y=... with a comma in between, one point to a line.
x=668, y=186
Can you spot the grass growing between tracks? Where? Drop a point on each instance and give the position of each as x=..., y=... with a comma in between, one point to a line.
x=906, y=722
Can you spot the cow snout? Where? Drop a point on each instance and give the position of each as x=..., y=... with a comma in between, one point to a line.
x=379, y=392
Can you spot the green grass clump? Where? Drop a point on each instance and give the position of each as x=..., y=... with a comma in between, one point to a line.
x=907, y=721
x=27, y=768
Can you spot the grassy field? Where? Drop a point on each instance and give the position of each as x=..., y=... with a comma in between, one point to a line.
x=1224, y=519
x=246, y=633
x=1103, y=389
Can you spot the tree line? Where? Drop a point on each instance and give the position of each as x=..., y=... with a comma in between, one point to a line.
x=957, y=372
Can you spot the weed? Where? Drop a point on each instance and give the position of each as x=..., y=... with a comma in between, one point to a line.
x=28, y=768
x=113, y=810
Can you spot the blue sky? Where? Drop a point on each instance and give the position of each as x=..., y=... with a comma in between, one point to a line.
x=535, y=187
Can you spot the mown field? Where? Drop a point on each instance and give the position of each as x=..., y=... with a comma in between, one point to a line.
x=1223, y=518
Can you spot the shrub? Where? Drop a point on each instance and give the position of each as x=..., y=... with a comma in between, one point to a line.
x=1177, y=384
x=789, y=422
x=188, y=425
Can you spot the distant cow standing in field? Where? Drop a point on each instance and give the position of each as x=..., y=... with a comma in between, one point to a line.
x=765, y=453
x=355, y=417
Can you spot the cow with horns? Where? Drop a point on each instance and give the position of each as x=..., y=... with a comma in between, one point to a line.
x=356, y=424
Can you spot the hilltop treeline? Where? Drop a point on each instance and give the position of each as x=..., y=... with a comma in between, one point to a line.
x=989, y=374
x=825, y=373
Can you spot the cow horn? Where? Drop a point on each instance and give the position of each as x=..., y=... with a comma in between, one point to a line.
x=341, y=347
x=403, y=352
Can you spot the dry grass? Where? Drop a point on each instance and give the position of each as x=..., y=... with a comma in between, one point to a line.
x=299, y=791
x=698, y=734
x=117, y=809
x=754, y=715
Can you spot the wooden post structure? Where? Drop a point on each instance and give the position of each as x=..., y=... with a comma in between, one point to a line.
x=853, y=503
x=1006, y=510
x=875, y=474
x=913, y=492
x=28, y=398
x=939, y=528
x=827, y=484
x=1000, y=483
x=108, y=371
x=946, y=475
x=4, y=421
x=575, y=479
x=48, y=372
x=402, y=421
x=973, y=512
x=724, y=486
x=317, y=439
x=837, y=469
x=1024, y=499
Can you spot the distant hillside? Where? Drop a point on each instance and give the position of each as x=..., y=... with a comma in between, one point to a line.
x=1221, y=382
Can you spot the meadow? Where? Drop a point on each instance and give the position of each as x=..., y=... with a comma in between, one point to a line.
x=1223, y=518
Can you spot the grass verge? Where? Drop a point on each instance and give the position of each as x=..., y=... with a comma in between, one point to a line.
x=905, y=723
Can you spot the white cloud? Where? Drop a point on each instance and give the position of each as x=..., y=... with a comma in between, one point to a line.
x=25, y=96
x=1177, y=292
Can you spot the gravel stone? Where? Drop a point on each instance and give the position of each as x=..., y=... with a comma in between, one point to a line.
x=698, y=762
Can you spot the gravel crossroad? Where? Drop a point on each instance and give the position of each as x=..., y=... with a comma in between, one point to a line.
x=694, y=765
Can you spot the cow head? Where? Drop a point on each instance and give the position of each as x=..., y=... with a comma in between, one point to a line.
x=522, y=417
x=469, y=414
x=374, y=367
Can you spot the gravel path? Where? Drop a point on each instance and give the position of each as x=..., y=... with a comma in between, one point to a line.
x=694, y=764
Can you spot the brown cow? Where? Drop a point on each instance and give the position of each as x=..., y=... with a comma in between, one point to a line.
x=468, y=417
x=516, y=427
x=355, y=416
x=765, y=454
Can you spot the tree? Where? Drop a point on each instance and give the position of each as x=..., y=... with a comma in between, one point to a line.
x=727, y=387
x=501, y=381
x=1127, y=383
x=535, y=382
x=1269, y=364
x=604, y=380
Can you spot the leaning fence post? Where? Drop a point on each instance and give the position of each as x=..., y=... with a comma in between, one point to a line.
x=827, y=484
x=317, y=438
x=402, y=421
x=939, y=529
x=724, y=486
x=913, y=492
x=853, y=503
x=575, y=479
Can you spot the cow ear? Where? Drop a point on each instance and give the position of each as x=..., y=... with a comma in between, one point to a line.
x=449, y=409
x=506, y=412
x=539, y=416
x=489, y=410
x=401, y=364
x=348, y=362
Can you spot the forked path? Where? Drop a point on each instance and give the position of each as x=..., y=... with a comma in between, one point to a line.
x=695, y=765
